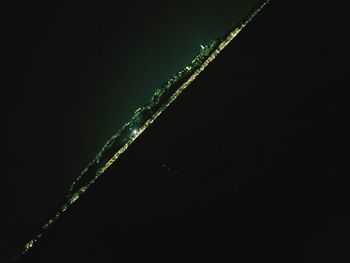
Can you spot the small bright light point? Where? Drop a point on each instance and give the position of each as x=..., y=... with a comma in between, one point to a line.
x=134, y=131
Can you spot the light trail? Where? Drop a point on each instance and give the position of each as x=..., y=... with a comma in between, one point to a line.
x=209, y=53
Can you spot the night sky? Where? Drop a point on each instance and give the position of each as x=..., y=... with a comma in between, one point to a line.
x=81, y=70
x=247, y=163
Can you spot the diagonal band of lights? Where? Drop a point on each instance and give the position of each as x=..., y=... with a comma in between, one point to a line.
x=73, y=197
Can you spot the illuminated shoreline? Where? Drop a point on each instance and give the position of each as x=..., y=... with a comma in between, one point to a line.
x=112, y=150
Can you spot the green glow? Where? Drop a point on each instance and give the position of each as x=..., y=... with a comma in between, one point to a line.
x=143, y=118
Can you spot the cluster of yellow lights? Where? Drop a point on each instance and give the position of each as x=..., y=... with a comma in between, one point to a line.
x=137, y=132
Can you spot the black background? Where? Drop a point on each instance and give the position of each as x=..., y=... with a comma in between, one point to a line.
x=246, y=165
